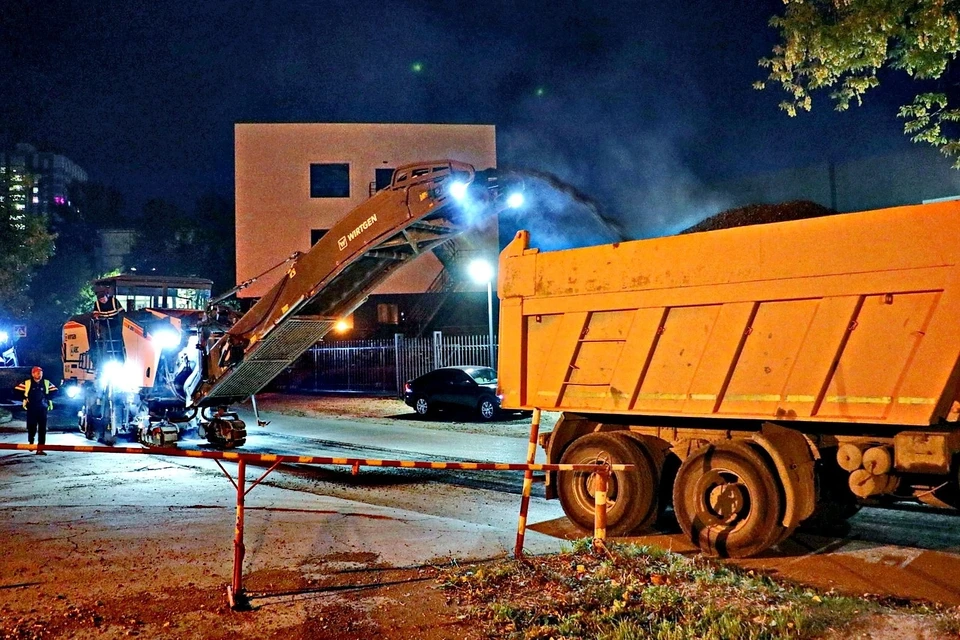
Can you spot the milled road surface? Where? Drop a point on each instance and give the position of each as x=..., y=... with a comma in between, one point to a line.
x=408, y=516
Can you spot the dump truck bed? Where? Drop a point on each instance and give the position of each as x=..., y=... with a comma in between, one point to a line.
x=847, y=318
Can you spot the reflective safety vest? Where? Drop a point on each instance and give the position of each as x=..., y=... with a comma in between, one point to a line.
x=48, y=388
x=109, y=309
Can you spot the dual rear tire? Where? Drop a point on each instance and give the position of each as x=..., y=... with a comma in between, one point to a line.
x=727, y=497
x=728, y=501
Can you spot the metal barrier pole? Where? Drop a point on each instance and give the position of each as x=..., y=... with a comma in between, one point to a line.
x=600, y=507
x=527, y=484
x=235, y=593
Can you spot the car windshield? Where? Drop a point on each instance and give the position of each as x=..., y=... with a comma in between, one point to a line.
x=483, y=375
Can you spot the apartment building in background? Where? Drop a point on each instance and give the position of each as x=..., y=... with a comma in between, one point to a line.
x=38, y=181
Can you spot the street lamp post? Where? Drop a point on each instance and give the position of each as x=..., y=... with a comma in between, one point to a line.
x=481, y=271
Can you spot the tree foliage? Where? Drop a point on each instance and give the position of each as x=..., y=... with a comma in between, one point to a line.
x=25, y=244
x=841, y=45
x=66, y=278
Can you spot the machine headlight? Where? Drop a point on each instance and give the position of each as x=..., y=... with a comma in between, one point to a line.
x=121, y=376
x=111, y=374
x=166, y=338
x=72, y=391
x=4, y=336
x=458, y=190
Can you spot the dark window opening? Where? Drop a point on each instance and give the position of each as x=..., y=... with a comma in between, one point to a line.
x=387, y=314
x=384, y=178
x=330, y=180
x=316, y=234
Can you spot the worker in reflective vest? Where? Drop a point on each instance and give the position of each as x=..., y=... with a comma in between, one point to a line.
x=106, y=306
x=37, y=391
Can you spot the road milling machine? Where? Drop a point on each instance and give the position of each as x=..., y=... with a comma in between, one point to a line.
x=152, y=371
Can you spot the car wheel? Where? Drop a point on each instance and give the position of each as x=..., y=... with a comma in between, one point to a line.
x=487, y=409
x=422, y=406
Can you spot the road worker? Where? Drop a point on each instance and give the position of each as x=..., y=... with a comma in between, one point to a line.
x=106, y=306
x=37, y=392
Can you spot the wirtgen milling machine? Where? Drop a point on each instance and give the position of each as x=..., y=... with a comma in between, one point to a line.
x=147, y=372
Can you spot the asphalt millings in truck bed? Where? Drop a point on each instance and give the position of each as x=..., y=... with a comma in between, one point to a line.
x=761, y=214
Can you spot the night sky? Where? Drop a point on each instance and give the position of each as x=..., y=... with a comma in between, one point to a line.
x=638, y=104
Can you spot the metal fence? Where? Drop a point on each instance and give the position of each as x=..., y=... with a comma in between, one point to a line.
x=381, y=367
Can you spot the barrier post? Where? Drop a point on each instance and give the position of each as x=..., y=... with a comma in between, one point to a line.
x=600, y=507
x=527, y=484
x=235, y=593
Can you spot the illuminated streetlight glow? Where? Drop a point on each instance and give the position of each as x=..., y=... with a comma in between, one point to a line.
x=482, y=272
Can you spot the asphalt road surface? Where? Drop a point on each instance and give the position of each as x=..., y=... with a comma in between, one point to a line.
x=911, y=553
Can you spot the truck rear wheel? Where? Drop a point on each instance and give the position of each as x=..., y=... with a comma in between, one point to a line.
x=727, y=500
x=631, y=495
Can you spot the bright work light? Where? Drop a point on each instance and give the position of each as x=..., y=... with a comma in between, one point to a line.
x=122, y=376
x=515, y=200
x=111, y=374
x=458, y=190
x=166, y=338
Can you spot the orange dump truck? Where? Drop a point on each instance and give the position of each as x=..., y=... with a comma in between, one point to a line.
x=756, y=376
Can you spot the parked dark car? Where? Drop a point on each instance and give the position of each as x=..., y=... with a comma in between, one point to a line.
x=473, y=388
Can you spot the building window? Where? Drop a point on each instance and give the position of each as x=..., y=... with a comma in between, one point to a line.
x=387, y=314
x=330, y=180
x=384, y=177
x=316, y=234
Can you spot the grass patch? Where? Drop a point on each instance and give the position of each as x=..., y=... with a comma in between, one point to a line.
x=636, y=592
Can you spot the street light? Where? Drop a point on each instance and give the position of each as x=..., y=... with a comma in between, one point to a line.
x=480, y=272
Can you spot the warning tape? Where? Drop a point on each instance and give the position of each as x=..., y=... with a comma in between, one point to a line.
x=272, y=458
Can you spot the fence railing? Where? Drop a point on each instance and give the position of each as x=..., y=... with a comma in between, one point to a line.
x=381, y=367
